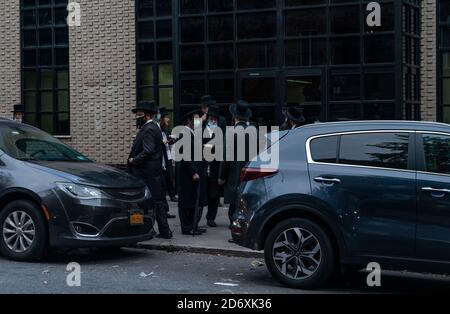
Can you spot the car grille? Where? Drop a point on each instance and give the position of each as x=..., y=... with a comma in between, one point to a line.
x=126, y=194
x=121, y=229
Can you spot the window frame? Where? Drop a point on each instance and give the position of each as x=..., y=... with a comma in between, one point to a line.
x=411, y=167
x=39, y=68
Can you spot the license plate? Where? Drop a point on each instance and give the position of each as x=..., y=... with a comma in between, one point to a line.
x=136, y=218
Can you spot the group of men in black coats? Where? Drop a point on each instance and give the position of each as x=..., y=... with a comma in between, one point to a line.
x=199, y=183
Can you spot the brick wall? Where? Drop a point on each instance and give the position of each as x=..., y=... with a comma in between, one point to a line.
x=9, y=56
x=103, y=80
x=429, y=55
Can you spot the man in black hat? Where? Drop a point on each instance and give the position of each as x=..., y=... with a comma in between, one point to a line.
x=207, y=101
x=191, y=181
x=294, y=118
x=212, y=173
x=146, y=159
x=18, y=113
x=230, y=171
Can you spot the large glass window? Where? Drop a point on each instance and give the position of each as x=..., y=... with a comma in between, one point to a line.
x=347, y=67
x=155, y=73
x=385, y=150
x=45, y=65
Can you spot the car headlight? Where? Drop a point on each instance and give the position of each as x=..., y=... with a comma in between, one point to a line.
x=81, y=191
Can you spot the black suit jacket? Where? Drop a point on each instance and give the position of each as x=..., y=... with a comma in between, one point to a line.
x=147, y=154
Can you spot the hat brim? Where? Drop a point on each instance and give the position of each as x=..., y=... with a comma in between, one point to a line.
x=247, y=115
x=191, y=113
x=144, y=110
x=295, y=119
x=209, y=103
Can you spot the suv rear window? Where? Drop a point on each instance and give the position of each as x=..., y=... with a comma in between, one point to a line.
x=384, y=150
x=324, y=149
x=437, y=153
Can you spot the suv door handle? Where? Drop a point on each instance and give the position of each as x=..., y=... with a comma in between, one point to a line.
x=432, y=190
x=328, y=181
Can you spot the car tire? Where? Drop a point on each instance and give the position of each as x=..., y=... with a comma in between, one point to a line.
x=300, y=265
x=15, y=216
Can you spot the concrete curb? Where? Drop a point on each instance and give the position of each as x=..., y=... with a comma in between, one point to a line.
x=200, y=250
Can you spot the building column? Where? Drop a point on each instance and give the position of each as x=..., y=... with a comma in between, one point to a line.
x=429, y=57
x=103, y=80
x=9, y=56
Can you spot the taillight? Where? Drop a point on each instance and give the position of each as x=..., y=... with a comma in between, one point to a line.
x=250, y=174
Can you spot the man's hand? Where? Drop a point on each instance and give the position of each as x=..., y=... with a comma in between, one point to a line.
x=196, y=177
x=221, y=182
x=130, y=161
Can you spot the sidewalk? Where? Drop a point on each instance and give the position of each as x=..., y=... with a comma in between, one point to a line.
x=214, y=241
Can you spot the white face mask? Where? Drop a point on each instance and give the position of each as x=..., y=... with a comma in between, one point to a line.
x=18, y=120
x=197, y=123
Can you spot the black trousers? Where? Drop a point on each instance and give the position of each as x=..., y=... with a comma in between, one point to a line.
x=161, y=218
x=187, y=218
x=231, y=211
x=168, y=175
x=213, y=205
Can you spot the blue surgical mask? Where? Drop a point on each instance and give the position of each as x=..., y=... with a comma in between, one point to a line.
x=212, y=125
x=158, y=117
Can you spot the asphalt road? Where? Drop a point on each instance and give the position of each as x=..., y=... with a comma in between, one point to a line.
x=140, y=271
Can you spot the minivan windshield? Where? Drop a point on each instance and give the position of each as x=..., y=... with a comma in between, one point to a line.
x=27, y=143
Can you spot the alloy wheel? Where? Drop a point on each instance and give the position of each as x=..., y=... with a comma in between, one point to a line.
x=297, y=253
x=19, y=231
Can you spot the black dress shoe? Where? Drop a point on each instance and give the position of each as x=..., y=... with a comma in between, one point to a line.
x=192, y=233
x=212, y=224
x=231, y=241
x=201, y=230
x=165, y=236
x=170, y=216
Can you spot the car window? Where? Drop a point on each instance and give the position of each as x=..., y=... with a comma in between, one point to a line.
x=324, y=149
x=24, y=142
x=437, y=153
x=384, y=150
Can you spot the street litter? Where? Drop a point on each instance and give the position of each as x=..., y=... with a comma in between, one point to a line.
x=227, y=284
x=144, y=275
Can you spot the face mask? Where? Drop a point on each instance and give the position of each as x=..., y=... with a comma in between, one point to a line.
x=158, y=117
x=18, y=120
x=212, y=125
x=197, y=123
x=140, y=121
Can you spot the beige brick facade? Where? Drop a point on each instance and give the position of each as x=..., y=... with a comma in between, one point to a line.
x=103, y=80
x=429, y=57
x=9, y=55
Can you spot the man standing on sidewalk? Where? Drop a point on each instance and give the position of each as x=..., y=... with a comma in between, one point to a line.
x=191, y=181
x=146, y=159
x=213, y=188
x=167, y=161
x=230, y=171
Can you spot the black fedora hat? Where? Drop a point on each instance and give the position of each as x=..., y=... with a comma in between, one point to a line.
x=18, y=108
x=207, y=100
x=213, y=111
x=189, y=115
x=295, y=114
x=164, y=112
x=241, y=109
x=146, y=106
